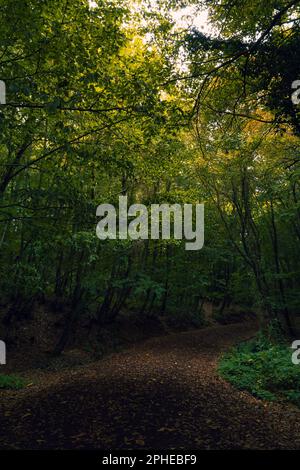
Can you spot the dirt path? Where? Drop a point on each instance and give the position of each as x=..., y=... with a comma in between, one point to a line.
x=163, y=394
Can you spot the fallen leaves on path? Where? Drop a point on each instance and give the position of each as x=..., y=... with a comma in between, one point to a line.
x=162, y=394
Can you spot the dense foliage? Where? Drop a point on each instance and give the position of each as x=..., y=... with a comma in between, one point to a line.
x=116, y=99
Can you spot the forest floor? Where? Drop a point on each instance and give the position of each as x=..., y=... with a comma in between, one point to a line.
x=162, y=394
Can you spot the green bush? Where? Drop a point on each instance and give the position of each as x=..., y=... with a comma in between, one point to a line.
x=264, y=369
x=11, y=382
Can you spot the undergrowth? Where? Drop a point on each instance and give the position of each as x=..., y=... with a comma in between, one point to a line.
x=11, y=382
x=264, y=368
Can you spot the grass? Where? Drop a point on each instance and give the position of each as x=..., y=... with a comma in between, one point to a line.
x=264, y=369
x=12, y=382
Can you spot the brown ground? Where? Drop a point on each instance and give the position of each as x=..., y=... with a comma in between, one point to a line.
x=162, y=394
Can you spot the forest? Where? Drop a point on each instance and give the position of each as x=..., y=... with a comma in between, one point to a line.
x=140, y=343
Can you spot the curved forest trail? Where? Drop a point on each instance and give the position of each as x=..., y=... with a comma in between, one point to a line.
x=162, y=394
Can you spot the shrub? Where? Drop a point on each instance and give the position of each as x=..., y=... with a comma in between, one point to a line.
x=264, y=369
x=11, y=382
